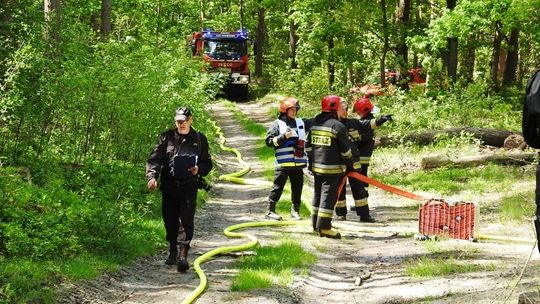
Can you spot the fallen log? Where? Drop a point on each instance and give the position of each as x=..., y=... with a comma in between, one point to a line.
x=514, y=158
x=490, y=137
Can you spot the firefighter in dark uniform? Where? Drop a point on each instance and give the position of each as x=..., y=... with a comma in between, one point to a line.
x=360, y=133
x=366, y=144
x=179, y=159
x=329, y=154
x=287, y=135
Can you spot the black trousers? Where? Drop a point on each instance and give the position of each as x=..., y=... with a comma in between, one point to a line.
x=296, y=177
x=537, y=190
x=178, y=205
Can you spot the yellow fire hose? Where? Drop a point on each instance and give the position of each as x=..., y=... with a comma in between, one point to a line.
x=235, y=177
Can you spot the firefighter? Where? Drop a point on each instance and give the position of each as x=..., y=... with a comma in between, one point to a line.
x=179, y=159
x=287, y=135
x=329, y=154
x=361, y=133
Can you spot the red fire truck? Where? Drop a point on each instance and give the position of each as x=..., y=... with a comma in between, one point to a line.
x=225, y=52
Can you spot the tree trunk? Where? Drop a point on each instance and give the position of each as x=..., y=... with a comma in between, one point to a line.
x=259, y=41
x=452, y=51
x=509, y=76
x=491, y=137
x=404, y=10
x=495, y=58
x=518, y=158
x=52, y=14
x=382, y=63
x=331, y=63
x=467, y=63
x=105, y=27
x=293, y=41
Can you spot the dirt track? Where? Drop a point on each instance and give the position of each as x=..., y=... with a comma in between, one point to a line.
x=378, y=257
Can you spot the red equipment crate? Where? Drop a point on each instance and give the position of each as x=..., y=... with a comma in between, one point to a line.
x=456, y=219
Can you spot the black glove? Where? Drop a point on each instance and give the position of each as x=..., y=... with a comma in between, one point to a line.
x=379, y=121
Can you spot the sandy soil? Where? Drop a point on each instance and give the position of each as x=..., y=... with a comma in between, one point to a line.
x=366, y=266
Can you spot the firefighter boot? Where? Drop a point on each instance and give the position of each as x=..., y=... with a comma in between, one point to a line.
x=367, y=219
x=171, y=259
x=271, y=213
x=295, y=213
x=329, y=233
x=182, y=261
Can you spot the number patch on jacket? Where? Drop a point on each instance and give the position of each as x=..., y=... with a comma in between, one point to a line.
x=321, y=140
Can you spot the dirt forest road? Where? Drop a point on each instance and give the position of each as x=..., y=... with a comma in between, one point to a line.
x=374, y=255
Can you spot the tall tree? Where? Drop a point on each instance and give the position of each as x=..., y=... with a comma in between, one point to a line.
x=512, y=55
x=402, y=50
x=495, y=56
x=259, y=41
x=52, y=14
x=105, y=26
x=293, y=41
x=452, y=49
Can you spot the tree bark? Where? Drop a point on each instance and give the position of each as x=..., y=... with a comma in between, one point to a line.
x=402, y=20
x=467, y=63
x=52, y=14
x=452, y=49
x=518, y=158
x=495, y=58
x=382, y=63
x=490, y=137
x=293, y=41
x=331, y=63
x=259, y=41
x=105, y=26
x=509, y=76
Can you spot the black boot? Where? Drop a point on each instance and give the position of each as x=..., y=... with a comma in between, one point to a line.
x=182, y=261
x=173, y=252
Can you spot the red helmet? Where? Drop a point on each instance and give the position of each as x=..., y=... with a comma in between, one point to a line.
x=363, y=107
x=330, y=103
x=288, y=103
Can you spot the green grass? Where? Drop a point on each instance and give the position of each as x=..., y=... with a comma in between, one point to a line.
x=272, y=265
x=518, y=207
x=448, y=180
x=439, y=267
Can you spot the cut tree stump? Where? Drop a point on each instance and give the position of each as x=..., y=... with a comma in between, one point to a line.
x=514, y=158
x=490, y=137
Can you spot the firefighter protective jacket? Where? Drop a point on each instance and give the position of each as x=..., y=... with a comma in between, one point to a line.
x=328, y=146
x=285, y=147
x=360, y=133
x=171, y=143
x=366, y=144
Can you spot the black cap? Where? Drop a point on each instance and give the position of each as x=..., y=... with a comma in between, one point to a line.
x=182, y=113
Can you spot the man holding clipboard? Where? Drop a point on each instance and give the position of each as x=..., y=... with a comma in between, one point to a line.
x=178, y=160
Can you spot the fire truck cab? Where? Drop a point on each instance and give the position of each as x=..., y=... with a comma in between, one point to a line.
x=225, y=52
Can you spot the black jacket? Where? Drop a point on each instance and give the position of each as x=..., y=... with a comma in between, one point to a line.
x=328, y=146
x=172, y=142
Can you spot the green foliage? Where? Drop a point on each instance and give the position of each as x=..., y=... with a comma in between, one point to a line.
x=271, y=265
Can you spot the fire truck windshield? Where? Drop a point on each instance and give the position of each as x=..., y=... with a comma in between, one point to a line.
x=225, y=49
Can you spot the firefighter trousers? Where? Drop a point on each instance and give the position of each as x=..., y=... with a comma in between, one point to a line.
x=296, y=177
x=324, y=200
x=360, y=196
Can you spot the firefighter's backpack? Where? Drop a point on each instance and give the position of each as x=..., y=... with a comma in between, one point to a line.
x=531, y=112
